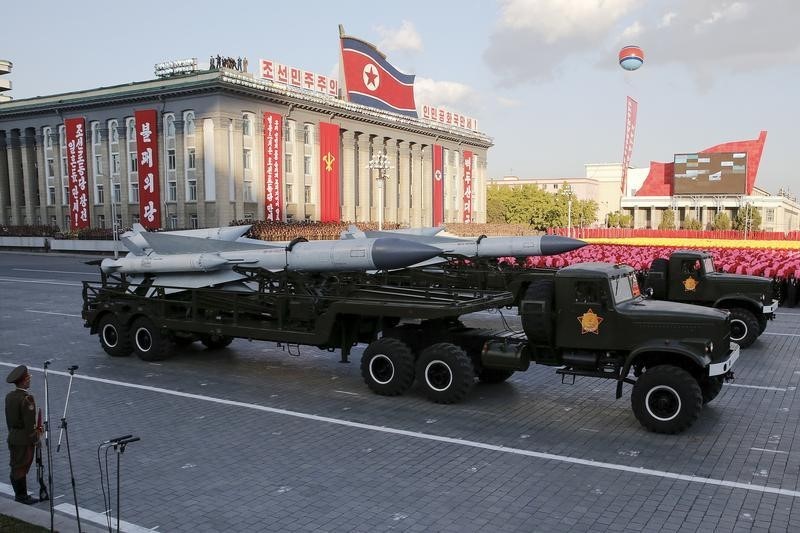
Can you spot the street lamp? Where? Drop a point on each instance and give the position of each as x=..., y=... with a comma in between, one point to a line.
x=380, y=162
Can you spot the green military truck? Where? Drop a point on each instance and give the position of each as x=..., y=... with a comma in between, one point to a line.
x=689, y=276
x=588, y=319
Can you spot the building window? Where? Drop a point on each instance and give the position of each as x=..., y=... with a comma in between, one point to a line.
x=190, y=160
x=115, y=164
x=287, y=164
x=289, y=193
x=98, y=162
x=96, y=133
x=188, y=123
x=101, y=221
x=171, y=159
x=247, y=125
x=133, y=162
x=770, y=218
x=113, y=132
x=99, y=195
x=173, y=221
x=170, y=126
x=131, y=123
x=193, y=221
x=308, y=136
x=116, y=193
x=51, y=167
x=248, y=192
x=48, y=140
x=307, y=165
x=133, y=193
x=288, y=131
x=172, y=191
x=247, y=162
x=192, y=191
x=248, y=216
x=134, y=218
x=307, y=195
x=51, y=196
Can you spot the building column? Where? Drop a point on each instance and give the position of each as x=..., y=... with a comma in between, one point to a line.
x=403, y=183
x=364, y=179
x=180, y=176
x=416, y=203
x=224, y=175
x=29, y=178
x=348, y=176
x=5, y=178
x=15, y=177
x=426, y=213
x=375, y=192
x=41, y=181
x=199, y=171
x=390, y=193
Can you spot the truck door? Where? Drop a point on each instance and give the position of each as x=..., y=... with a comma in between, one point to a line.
x=686, y=276
x=586, y=316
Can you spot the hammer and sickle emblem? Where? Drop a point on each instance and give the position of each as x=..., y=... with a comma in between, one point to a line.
x=328, y=160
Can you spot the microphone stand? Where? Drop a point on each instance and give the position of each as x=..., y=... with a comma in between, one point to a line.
x=47, y=441
x=64, y=432
x=119, y=447
x=103, y=483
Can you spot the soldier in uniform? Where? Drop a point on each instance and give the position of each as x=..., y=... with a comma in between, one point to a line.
x=22, y=432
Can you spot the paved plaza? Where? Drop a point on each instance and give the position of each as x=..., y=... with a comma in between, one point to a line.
x=254, y=438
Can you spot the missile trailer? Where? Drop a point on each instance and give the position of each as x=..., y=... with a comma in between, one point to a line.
x=588, y=320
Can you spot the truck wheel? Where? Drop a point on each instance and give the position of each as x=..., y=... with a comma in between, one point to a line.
x=539, y=330
x=762, y=324
x=114, y=336
x=216, y=342
x=710, y=386
x=148, y=343
x=387, y=367
x=494, y=375
x=446, y=372
x=744, y=327
x=666, y=399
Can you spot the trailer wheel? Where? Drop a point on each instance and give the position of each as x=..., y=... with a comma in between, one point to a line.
x=148, y=343
x=494, y=375
x=446, y=372
x=387, y=367
x=114, y=336
x=216, y=342
x=666, y=399
x=710, y=387
x=744, y=327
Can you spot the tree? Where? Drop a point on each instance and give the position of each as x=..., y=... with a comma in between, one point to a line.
x=625, y=221
x=667, y=220
x=747, y=217
x=721, y=221
x=692, y=223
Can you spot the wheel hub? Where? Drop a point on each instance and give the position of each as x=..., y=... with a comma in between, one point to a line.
x=381, y=369
x=738, y=330
x=663, y=403
x=143, y=340
x=438, y=376
x=110, y=335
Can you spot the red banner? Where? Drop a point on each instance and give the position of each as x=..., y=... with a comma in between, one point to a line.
x=467, y=186
x=438, y=185
x=273, y=163
x=147, y=147
x=630, y=129
x=329, y=172
x=76, y=165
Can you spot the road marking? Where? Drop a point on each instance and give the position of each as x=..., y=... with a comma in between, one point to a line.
x=347, y=392
x=44, y=281
x=438, y=438
x=100, y=518
x=50, y=313
x=779, y=389
x=770, y=451
x=781, y=334
x=54, y=271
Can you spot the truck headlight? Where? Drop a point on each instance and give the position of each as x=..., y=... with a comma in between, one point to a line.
x=709, y=347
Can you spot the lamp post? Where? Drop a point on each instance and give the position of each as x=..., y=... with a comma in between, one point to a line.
x=380, y=162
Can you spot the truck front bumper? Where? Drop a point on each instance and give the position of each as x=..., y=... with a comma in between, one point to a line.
x=771, y=308
x=723, y=367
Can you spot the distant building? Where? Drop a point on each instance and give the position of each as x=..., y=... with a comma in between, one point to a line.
x=5, y=83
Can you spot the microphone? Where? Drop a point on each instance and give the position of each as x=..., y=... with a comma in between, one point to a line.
x=73, y=368
x=128, y=441
x=48, y=363
x=116, y=439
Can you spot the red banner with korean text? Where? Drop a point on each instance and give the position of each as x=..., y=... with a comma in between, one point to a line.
x=76, y=170
x=467, y=186
x=630, y=130
x=329, y=201
x=273, y=164
x=147, y=149
x=438, y=185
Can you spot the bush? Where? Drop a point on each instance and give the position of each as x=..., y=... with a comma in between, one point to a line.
x=667, y=220
x=692, y=223
x=721, y=222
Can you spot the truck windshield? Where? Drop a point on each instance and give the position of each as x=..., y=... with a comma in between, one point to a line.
x=623, y=288
x=708, y=264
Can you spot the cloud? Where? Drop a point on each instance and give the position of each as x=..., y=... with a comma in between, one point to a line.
x=451, y=94
x=404, y=38
x=667, y=19
x=632, y=31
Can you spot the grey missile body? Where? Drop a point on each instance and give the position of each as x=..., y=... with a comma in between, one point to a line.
x=155, y=263
x=225, y=233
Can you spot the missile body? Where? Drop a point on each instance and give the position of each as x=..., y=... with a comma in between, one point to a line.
x=230, y=233
x=164, y=263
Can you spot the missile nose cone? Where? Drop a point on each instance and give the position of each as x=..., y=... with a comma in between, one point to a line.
x=389, y=252
x=555, y=244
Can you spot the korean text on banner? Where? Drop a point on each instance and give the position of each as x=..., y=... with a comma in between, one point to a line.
x=329, y=202
x=147, y=153
x=76, y=169
x=438, y=185
x=273, y=163
x=467, y=217
x=630, y=130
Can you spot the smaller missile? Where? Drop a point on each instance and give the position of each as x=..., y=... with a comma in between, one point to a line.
x=164, y=263
x=224, y=233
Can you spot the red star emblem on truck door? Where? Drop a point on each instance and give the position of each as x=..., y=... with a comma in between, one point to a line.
x=590, y=322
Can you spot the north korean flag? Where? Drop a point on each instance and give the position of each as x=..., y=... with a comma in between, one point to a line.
x=370, y=80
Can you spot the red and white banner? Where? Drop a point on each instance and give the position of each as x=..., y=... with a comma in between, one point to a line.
x=273, y=163
x=302, y=79
x=630, y=130
x=329, y=201
x=76, y=169
x=438, y=185
x=467, y=186
x=149, y=187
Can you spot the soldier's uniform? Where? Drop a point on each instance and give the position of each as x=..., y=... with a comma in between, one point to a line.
x=22, y=434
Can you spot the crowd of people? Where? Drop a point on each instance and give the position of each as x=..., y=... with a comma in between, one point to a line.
x=286, y=231
x=238, y=63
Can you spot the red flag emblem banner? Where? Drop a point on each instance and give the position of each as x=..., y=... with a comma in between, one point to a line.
x=147, y=148
x=630, y=129
x=438, y=185
x=76, y=169
x=467, y=186
x=371, y=81
x=273, y=161
x=329, y=203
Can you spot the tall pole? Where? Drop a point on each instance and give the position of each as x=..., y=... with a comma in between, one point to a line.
x=569, y=218
x=381, y=186
x=380, y=162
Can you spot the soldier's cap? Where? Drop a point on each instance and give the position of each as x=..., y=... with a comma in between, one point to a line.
x=17, y=374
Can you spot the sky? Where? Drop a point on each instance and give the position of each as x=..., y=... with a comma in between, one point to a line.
x=541, y=76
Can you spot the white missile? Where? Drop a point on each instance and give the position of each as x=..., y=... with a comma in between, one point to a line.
x=164, y=263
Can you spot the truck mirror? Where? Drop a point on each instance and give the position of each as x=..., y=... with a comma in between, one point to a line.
x=648, y=292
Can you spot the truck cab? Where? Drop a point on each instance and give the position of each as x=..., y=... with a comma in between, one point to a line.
x=689, y=276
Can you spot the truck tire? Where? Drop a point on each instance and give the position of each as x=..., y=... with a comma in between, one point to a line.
x=762, y=323
x=216, y=342
x=539, y=330
x=387, y=367
x=494, y=375
x=744, y=327
x=114, y=336
x=666, y=399
x=148, y=343
x=710, y=387
x=446, y=372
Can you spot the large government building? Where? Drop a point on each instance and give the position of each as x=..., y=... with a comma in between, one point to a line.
x=229, y=145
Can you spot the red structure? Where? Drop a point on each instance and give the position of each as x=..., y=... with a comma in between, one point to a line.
x=660, y=179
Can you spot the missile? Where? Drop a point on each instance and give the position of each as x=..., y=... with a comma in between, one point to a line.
x=163, y=263
x=230, y=233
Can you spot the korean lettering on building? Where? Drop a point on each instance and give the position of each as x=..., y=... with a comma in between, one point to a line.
x=273, y=159
x=147, y=150
x=76, y=169
x=467, y=217
x=295, y=77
